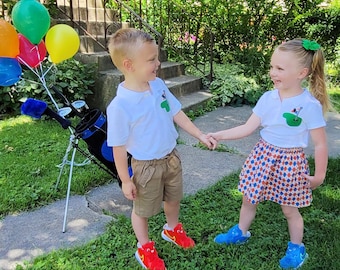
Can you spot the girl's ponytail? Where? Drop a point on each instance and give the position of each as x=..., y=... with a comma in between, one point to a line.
x=311, y=56
x=317, y=82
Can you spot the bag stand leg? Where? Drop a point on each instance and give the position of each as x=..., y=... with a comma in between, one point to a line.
x=69, y=185
x=73, y=144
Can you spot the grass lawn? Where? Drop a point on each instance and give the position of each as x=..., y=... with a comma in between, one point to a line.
x=29, y=154
x=210, y=212
x=30, y=151
x=335, y=97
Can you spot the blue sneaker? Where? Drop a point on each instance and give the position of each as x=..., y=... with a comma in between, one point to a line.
x=295, y=256
x=233, y=236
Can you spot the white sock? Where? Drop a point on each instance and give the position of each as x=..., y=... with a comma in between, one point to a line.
x=166, y=227
x=139, y=245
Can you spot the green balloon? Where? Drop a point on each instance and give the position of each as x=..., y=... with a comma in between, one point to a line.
x=31, y=19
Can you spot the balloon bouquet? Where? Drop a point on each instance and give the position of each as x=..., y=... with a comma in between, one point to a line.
x=32, y=20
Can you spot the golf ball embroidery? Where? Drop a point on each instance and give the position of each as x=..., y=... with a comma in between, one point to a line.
x=292, y=118
x=165, y=104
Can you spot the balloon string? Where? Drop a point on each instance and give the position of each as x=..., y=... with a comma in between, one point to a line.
x=38, y=53
x=27, y=65
x=42, y=79
x=47, y=69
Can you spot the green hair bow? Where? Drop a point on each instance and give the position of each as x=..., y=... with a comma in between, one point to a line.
x=310, y=45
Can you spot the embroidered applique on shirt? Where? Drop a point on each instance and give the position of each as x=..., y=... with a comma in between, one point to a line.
x=165, y=104
x=292, y=118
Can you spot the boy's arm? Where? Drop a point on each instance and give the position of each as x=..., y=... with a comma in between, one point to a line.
x=120, y=159
x=185, y=123
x=238, y=132
x=319, y=139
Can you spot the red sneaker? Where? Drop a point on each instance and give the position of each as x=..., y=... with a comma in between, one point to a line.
x=178, y=237
x=147, y=256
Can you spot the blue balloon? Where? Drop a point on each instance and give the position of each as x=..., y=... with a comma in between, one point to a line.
x=10, y=71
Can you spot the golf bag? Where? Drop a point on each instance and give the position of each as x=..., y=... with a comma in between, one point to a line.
x=92, y=129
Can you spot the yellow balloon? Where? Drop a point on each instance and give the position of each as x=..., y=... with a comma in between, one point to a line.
x=62, y=42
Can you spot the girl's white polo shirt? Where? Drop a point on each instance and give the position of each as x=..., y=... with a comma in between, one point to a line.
x=286, y=123
x=143, y=121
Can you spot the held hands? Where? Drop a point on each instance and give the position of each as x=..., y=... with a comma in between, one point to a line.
x=215, y=136
x=209, y=141
x=129, y=190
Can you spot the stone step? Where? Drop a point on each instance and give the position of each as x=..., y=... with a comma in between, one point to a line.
x=88, y=14
x=195, y=100
x=81, y=3
x=95, y=14
x=92, y=27
x=184, y=84
x=170, y=69
x=105, y=89
x=88, y=45
x=103, y=61
x=179, y=86
x=107, y=82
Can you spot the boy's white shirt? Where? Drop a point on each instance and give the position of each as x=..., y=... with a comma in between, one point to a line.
x=141, y=122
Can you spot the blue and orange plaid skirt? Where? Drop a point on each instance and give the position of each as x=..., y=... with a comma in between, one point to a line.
x=275, y=174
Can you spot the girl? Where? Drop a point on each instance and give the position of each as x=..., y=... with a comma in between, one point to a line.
x=277, y=168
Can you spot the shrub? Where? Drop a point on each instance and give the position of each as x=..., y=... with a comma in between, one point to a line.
x=72, y=78
x=333, y=68
x=232, y=87
x=323, y=26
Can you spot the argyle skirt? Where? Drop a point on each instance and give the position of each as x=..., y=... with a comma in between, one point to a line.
x=275, y=174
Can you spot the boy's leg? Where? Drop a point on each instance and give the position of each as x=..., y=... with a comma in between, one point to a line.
x=171, y=210
x=140, y=227
x=146, y=253
x=173, y=231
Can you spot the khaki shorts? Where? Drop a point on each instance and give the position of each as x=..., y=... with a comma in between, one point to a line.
x=156, y=181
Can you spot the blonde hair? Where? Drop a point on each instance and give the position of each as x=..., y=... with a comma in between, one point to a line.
x=314, y=61
x=125, y=42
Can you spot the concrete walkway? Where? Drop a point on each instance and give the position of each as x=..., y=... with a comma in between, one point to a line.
x=27, y=235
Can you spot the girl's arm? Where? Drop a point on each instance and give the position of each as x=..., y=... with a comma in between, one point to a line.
x=185, y=123
x=238, y=132
x=319, y=139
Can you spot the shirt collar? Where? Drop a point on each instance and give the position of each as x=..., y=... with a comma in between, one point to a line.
x=133, y=96
x=275, y=93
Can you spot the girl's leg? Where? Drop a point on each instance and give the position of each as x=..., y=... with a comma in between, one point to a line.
x=295, y=223
x=247, y=215
x=140, y=227
x=239, y=234
x=296, y=252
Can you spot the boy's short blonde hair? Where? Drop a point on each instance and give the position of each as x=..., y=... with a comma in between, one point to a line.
x=125, y=42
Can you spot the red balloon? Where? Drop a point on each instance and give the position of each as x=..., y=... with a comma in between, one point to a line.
x=30, y=54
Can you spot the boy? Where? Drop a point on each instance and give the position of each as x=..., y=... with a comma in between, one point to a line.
x=141, y=121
